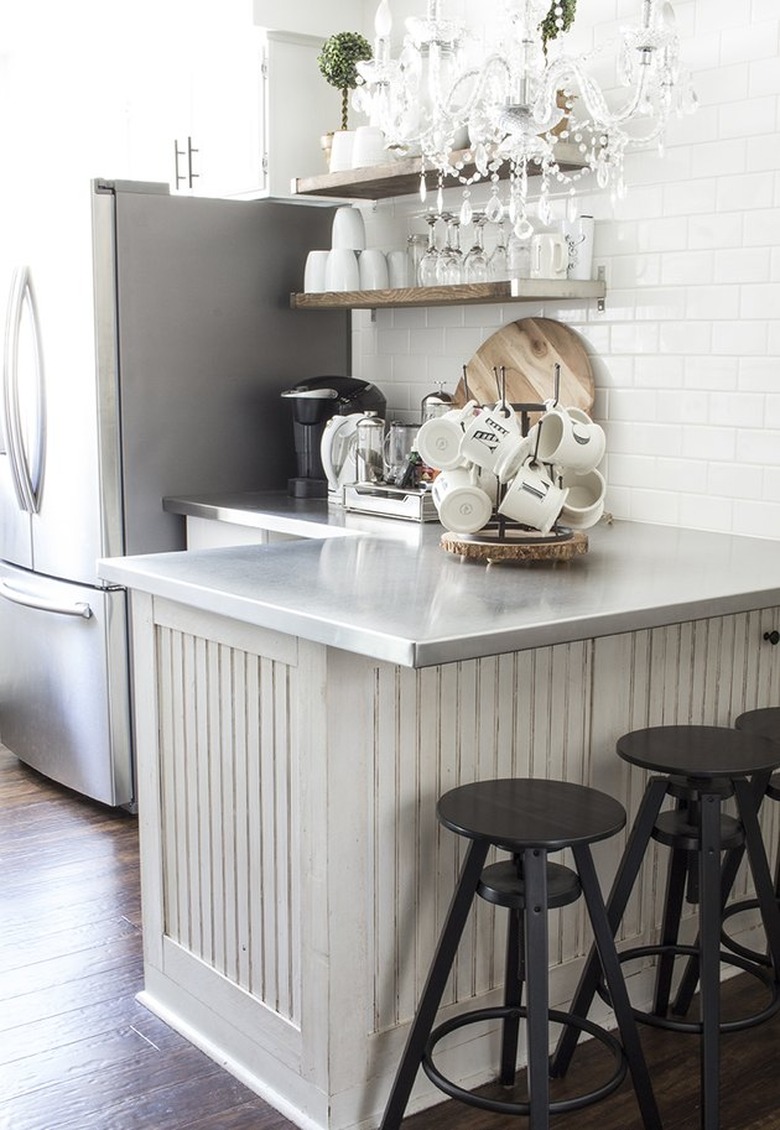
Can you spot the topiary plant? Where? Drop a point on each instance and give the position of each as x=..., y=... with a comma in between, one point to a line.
x=560, y=10
x=337, y=61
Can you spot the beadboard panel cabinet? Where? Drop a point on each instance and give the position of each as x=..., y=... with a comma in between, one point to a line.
x=294, y=875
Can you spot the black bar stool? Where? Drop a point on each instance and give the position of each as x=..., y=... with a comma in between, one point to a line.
x=766, y=723
x=529, y=819
x=704, y=765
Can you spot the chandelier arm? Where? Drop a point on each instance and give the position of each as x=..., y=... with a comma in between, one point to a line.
x=482, y=74
x=566, y=67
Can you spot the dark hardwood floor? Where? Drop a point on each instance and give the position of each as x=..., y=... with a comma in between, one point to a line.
x=77, y=1052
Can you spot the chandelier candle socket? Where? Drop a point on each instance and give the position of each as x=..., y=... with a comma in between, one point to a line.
x=515, y=90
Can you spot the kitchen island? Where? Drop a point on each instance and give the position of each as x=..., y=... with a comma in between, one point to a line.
x=299, y=707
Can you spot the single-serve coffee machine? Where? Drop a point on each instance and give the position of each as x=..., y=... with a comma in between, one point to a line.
x=314, y=402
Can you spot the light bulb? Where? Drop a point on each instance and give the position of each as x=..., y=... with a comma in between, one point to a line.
x=383, y=20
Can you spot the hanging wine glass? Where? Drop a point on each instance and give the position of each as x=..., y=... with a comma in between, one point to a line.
x=498, y=268
x=428, y=267
x=451, y=264
x=475, y=264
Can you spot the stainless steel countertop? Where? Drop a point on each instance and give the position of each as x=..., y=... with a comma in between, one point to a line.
x=406, y=601
x=302, y=517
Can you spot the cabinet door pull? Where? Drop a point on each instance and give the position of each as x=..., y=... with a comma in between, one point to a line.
x=191, y=175
x=177, y=153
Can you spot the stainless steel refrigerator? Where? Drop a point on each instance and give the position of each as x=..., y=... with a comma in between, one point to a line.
x=145, y=361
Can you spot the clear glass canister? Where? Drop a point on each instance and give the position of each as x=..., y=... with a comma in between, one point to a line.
x=369, y=449
x=436, y=403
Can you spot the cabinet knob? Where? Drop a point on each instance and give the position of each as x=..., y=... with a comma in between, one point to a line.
x=773, y=637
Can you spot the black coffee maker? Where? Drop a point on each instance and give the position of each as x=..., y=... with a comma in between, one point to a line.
x=314, y=402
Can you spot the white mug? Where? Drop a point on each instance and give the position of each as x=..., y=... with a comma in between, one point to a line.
x=368, y=147
x=568, y=440
x=372, y=265
x=579, y=240
x=463, y=506
x=438, y=440
x=584, y=503
x=341, y=270
x=314, y=272
x=348, y=229
x=549, y=256
x=398, y=267
x=341, y=150
x=533, y=499
x=491, y=434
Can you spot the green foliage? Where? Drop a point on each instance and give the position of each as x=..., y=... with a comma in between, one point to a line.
x=339, y=55
x=549, y=27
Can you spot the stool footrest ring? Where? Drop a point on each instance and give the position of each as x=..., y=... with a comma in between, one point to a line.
x=736, y=947
x=695, y=1026
x=498, y=1106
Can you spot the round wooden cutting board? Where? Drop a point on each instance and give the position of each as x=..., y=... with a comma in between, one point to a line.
x=529, y=349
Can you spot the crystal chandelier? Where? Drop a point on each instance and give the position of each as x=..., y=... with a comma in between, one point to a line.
x=513, y=93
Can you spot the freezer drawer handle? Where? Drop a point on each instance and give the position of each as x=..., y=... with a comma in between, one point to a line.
x=78, y=608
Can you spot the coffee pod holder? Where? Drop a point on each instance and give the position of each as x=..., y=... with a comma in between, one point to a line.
x=503, y=538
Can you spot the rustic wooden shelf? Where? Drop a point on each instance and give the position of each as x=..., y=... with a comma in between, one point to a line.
x=465, y=294
x=402, y=177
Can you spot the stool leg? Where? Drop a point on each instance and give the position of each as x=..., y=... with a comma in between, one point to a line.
x=709, y=948
x=762, y=879
x=673, y=903
x=690, y=978
x=452, y=930
x=537, y=988
x=616, y=905
x=758, y=786
x=605, y=945
x=514, y=977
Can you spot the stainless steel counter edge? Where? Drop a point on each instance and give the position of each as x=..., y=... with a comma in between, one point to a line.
x=417, y=606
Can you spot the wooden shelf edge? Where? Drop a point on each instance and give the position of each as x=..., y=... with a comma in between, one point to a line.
x=464, y=294
x=402, y=177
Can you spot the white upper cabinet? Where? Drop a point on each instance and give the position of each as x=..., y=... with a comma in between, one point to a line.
x=191, y=93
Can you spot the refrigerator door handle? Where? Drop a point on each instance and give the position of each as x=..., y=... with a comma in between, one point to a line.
x=27, y=477
x=16, y=596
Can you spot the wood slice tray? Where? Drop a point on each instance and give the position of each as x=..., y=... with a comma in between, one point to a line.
x=481, y=547
x=529, y=350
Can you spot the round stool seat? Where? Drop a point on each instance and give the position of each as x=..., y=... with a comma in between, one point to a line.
x=517, y=813
x=501, y=885
x=701, y=752
x=675, y=829
x=765, y=722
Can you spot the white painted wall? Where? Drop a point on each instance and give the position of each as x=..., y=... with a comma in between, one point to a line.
x=326, y=17
x=687, y=352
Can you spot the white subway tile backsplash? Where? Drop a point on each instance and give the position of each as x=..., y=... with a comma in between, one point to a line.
x=756, y=518
x=715, y=157
x=708, y=443
x=740, y=338
x=706, y=512
x=660, y=507
x=704, y=302
x=758, y=446
x=772, y=406
x=686, y=355
x=687, y=268
x=760, y=300
x=716, y=231
x=771, y=487
x=735, y=481
x=685, y=337
x=750, y=118
x=742, y=264
x=751, y=190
